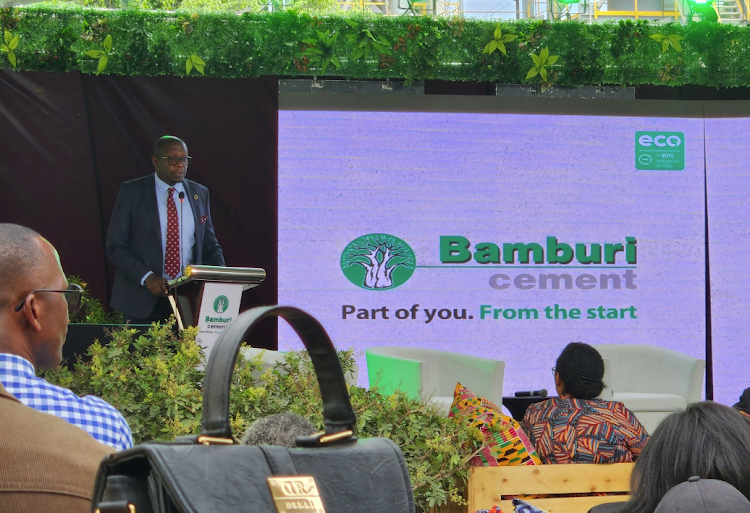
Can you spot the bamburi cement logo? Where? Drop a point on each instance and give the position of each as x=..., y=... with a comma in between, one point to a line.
x=221, y=303
x=378, y=261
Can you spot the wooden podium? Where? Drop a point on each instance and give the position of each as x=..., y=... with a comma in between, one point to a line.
x=209, y=297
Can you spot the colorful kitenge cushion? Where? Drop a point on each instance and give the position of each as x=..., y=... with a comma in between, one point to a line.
x=505, y=442
x=494, y=509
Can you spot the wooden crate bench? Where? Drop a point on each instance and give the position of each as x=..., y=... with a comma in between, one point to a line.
x=487, y=484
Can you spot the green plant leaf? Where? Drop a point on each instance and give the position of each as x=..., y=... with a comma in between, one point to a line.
x=188, y=65
x=94, y=54
x=501, y=47
x=7, y=37
x=544, y=54
x=13, y=43
x=507, y=38
x=658, y=37
x=532, y=72
x=543, y=74
x=197, y=60
x=498, y=33
x=552, y=59
x=493, y=45
x=536, y=59
x=358, y=54
x=674, y=41
x=102, y=64
x=336, y=62
x=199, y=68
x=4, y=48
x=487, y=47
x=108, y=43
x=664, y=46
x=12, y=58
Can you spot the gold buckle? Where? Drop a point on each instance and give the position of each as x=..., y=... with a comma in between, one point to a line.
x=298, y=494
x=209, y=440
x=131, y=508
x=335, y=437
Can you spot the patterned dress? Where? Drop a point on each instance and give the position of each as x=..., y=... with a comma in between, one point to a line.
x=584, y=431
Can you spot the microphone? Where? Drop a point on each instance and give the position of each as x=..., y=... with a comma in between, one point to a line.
x=182, y=262
x=532, y=393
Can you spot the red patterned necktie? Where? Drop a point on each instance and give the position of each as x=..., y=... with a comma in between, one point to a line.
x=172, y=258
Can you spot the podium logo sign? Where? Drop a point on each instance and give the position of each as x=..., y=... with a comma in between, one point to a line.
x=221, y=303
x=378, y=261
x=660, y=151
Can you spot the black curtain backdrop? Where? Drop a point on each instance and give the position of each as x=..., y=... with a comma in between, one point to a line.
x=67, y=142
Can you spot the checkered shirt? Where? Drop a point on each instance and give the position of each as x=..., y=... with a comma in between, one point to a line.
x=92, y=414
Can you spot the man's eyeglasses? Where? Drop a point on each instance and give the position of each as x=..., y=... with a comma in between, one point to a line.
x=554, y=370
x=173, y=161
x=72, y=295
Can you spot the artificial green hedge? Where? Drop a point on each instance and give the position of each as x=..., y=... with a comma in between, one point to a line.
x=226, y=45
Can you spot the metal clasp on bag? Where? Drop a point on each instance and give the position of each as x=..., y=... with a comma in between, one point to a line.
x=297, y=494
x=212, y=440
x=335, y=437
x=321, y=439
x=131, y=508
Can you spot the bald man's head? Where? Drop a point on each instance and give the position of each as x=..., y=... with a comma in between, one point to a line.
x=162, y=144
x=21, y=256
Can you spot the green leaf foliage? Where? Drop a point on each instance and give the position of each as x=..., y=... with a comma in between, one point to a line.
x=366, y=45
x=541, y=64
x=498, y=41
x=155, y=380
x=252, y=44
x=102, y=55
x=10, y=43
x=672, y=40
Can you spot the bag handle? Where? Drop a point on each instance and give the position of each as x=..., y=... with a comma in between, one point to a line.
x=338, y=414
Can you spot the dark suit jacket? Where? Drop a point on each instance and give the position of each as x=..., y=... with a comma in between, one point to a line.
x=134, y=241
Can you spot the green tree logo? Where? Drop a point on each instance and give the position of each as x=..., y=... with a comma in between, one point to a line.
x=221, y=303
x=378, y=261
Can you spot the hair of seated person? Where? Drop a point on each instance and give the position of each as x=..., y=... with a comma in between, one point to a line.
x=278, y=429
x=744, y=402
x=708, y=440
x=581, y=370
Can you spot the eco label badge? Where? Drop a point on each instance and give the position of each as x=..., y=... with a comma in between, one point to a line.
x=378, y=261
x=660, y=151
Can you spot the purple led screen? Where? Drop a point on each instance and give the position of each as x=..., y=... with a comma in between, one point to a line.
x=728, y=182
x=494, y=179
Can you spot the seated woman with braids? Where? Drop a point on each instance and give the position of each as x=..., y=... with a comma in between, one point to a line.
x=577, y=427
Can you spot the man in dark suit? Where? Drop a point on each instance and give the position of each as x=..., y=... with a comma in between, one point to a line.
x=160, y=224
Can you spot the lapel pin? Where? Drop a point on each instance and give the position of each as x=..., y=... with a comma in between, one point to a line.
x=195, y=196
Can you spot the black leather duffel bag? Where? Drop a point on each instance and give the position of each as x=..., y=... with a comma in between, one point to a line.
x=329, y=473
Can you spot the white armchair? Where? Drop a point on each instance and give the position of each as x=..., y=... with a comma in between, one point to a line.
x=652, y=382
x=433, y=374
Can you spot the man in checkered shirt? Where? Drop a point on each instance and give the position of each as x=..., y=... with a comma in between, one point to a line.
x=35, y=299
